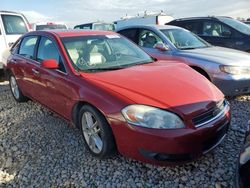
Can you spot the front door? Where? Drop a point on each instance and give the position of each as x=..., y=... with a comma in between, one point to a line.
x=56, y=89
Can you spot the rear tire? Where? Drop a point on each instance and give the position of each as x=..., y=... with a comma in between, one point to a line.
x=15, y=90
x=97, y=133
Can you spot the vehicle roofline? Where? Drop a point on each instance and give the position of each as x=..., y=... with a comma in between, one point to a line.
x=201, y=17
x=158, y=27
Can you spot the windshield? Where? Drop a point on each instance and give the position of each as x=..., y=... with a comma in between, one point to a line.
x=241, y=27
x=104, y=26
x=14, y=25
x=183, y=39
x=52, y=26
x=103, y=52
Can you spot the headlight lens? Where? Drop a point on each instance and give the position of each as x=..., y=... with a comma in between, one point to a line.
x=150, y=117
x=236, y=70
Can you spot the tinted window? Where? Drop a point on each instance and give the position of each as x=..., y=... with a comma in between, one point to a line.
x=14, y=24
x=191, y=26
x=27, y=47
x=48, y=50
x=216, y=29
x=148, y=39
x=130, y=34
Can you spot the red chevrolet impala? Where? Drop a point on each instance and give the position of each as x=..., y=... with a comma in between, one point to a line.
x=118, y=96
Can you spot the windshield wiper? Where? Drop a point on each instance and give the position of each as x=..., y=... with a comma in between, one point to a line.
x=118, y=67
x=103, y=69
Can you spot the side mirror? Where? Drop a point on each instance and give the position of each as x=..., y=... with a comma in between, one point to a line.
x=161, y=47
x=226, y=33
x=50, y=64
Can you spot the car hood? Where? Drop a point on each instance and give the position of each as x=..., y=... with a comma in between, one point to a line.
x=164, y=85
x=225, y=56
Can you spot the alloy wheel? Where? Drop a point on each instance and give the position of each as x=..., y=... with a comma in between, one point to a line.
x=92, y=132
x=14, y=87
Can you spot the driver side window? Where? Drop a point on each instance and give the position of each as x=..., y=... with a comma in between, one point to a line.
x=48, y=50
x=148, y=39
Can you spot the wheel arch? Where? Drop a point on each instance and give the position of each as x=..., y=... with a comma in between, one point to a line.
x=201, y=71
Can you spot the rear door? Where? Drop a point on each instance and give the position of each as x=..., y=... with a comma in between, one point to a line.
x=25, y=65
x=218, y=34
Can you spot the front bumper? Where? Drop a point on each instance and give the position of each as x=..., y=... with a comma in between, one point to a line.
x=168, y=146
x=232, y=85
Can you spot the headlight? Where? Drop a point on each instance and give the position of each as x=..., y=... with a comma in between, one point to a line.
x=150, y=117
x=236, y=70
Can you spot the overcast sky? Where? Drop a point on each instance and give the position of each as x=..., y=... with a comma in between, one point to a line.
x=74, y=12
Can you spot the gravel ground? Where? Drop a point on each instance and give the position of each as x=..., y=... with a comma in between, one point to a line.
x=38, y=149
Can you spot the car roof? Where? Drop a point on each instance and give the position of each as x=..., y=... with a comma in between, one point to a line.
x=150, y=26
x=201, y=17
x=72, y=32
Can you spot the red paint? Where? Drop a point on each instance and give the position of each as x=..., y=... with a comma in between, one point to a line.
x=171, y=86
x=50, y=64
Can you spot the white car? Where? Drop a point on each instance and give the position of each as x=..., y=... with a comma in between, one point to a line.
x=12, y=26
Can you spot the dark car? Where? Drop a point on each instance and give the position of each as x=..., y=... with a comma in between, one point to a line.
x=243, y=168
x=219, y=31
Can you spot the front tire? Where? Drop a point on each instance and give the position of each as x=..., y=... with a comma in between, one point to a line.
x=15, y=90
x=96, y=131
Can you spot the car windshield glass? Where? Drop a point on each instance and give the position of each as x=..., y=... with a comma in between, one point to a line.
x=103, y=52
x=241, y=27
x=104, y=26
x=14, y=25
x=183, y=39
x=52, y=26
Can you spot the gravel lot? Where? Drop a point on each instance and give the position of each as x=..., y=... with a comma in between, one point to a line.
x=38, y=149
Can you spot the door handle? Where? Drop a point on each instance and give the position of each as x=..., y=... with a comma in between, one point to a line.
x=35, y=72
x=13, y=61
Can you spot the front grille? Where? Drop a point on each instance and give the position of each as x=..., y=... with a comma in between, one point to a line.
x=210, y=114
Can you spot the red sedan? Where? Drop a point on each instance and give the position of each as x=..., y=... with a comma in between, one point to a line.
x=118, y=96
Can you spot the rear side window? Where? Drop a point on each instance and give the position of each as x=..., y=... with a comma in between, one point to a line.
x=130, y=34
x=47, y=50
x=191, y=26
x=215, y=29
x=27, y=46
x=14, y=25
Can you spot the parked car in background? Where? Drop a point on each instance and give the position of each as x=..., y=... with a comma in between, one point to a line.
x=96, y=26
x=247, y=22
x=49, y=26
x=170, y=114
x=147, y=18
x=219, y=31
x=12, y=26
x=243, y=167
x=228, y=69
